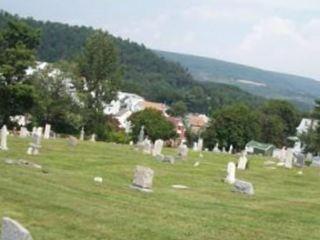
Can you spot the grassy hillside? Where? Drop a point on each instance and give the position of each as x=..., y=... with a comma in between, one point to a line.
x=144, y=72
x=300, y=90
x=65, y=203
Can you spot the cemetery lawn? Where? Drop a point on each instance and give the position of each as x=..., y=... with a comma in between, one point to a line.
x=63, y=202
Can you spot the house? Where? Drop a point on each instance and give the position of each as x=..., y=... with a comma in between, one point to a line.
x=153, y=105
x=255, y=147
x=307, y=124
x=196, y=122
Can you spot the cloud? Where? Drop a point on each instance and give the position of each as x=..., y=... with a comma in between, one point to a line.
x=283, y=45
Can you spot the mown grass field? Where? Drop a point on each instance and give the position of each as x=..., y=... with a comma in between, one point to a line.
x=65, y=203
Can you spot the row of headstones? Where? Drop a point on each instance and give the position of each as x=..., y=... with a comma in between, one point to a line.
x=198, y=146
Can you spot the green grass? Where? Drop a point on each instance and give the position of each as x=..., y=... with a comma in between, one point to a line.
x=65, y=203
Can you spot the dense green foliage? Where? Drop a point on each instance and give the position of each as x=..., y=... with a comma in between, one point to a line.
x=299, y=90
x=17, y=52
x=144, y=72
x=273, y=123
x=156, y=125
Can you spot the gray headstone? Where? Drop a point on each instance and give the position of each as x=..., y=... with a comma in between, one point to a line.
x=169, y=159
x=12, y=230
x=143, y=177
x=243, y=187
x=157, y=149
x=183, y=151
x=231, y=173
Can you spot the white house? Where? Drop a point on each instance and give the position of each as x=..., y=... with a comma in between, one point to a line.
x=306, y=124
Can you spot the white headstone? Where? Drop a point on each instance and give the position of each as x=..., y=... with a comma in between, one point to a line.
x=183, y=151
x=39, y=131
x=47, y=130
x=200, y=144
x=4, y=135
x=231, y=149
x=34, y=147
x=147, y=146
x=34, y=131
x=82, y=134
x=195, y=146
x=24, y=132
x=224, y=150
x=216, y=148
x=12, y=230
x=231, y=173
x=157, y=149
x=93, y=138
x=242, y=163
x=288, y=159
x=143, y=177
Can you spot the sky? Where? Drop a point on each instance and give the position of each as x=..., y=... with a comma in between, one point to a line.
x=279, y=35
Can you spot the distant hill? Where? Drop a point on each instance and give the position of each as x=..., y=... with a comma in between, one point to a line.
x=144, y=72
x=299, y=90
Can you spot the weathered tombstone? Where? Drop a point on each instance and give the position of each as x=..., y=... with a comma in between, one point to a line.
x=231, y=173
x=4, y=135
x=169, y=159
x=147, y=146
x=231, y=149
x=34, y=131
x=23, y=132
x=183, y=151
x=243, y=187
x=242, y=163
x=309, y=157
x=224, y=150
x=39, y=131
x=200, y=144
x=93, y=138
x=288, y=158
x=34, y=147
x=72, y=141
x=131, y=143
x=283, y=154
x=298, y=160
x=157, y=149
x=143, y=177
x=12, y=230
x=315, y=162
x=216, y=148
x=82, y=134
x=47, y=130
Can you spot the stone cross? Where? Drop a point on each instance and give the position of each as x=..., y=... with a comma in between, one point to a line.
x=242, y=163
x=143, y=177
x=231, y=173
x=12, y=230
x=157, y=149
x=47, y=130
x=82, y=134
x=4, y=135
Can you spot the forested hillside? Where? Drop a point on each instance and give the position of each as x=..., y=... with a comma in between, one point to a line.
x=299, y=90
x=144, y=72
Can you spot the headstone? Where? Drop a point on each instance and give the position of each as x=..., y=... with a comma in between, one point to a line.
x=93, y=138
x=4, y=135
x=40, y=131
x=224, y=150
x=143, y=177
x=169, y=159
x=23, y=132
x=288, y=159
x=200, y=144
x=183, y=151
x=131, y=143
x=243, y=187
x=34, y=131
x=195, y=146
x=315, y=162
x=179, y=186
x=231, y=149
x=157, y=149
x=147, y=146
x=216, y=148
x=34, y=147
x=72, y=141
x=231, y=173
x=298, y=160
x=47, y=130
x=242, y=163
x=82, y=134
x=283, y=154
x=12, y=230
x=141, y=134
x=309, y=157
x=160, y=157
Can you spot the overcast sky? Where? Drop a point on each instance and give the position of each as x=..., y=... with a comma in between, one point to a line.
x=281, y=35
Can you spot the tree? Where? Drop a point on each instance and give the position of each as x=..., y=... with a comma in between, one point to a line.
x=235, y=124
x=272, y=130
x=17, y=52
x=57, y=102
x=286, y=111
x=178, y=109
x=156, y=125
x=18, y=42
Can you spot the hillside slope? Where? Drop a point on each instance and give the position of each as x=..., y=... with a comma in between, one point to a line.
x=300, y=90
x=63, y=202
x=144, y=72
